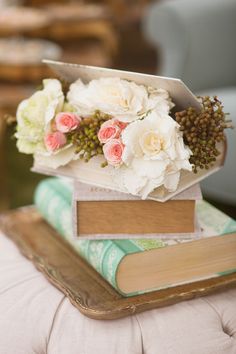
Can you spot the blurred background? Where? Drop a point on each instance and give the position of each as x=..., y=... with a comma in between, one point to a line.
x=190, y=39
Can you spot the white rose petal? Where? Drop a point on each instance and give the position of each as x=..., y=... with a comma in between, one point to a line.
x=53, y=90
x=55, y=160
x=119, y=98
x=151, y=169
x=124, y=178
x=150, y=186
x=171, y=181
x=159, y=100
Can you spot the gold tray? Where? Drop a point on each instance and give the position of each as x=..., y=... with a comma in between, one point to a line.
x=85, y=288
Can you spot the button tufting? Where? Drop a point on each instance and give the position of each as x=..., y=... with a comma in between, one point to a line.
x=226, y=331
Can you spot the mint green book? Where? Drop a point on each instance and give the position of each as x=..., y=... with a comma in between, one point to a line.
x=142, y=265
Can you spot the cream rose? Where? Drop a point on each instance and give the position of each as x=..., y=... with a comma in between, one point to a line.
x=35, y=114
x=122, y=99
x=154, y=153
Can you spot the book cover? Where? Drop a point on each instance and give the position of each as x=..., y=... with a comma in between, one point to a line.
x=86, y=192
x=103, y=213
x=53, y=200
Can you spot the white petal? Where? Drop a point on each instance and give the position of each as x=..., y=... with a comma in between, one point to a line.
x=130, y=137
x=149, y=168
x=50, y=111
x=127, y=156
x=127, y=180
x=132, y=182
x=151, y=185
x=171, y=181
x=183, y=164
x=52, y=86
x=20, y=108
x=54, y=161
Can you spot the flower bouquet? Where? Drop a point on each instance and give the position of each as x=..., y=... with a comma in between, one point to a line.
x=140, y=134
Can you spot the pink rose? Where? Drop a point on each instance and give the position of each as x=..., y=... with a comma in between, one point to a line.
x=121, y=125
x=54, y=141
x=109, y=130
x=66, y=121
x=113, y=151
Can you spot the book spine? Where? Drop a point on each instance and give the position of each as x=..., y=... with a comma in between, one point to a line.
x=53, y=199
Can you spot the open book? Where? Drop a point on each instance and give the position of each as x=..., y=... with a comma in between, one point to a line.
x=110, y=177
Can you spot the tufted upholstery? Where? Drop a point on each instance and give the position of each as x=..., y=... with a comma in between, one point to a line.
x=37, y=318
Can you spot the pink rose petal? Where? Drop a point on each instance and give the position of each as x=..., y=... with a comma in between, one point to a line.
x=113, y=151
x=66, y=121
x=109, y=130
x=54, y=141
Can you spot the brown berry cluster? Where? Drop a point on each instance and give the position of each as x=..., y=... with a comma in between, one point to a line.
x=203, y=130
x=86, y=139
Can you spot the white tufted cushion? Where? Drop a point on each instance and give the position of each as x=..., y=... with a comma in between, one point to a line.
x=37, y=318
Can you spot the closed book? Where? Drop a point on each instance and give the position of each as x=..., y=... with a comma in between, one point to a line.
x=104, y=213
x=138, y=266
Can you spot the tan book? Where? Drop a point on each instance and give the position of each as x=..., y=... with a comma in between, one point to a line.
x=104, y=213
x=177, y=264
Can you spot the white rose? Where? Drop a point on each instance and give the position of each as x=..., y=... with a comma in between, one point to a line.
x=35, y=114
x=159, y=101
x=154, y=154
x=60, y=158
x=122, y=99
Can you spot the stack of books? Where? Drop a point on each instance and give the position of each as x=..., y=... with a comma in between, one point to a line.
x=138, y=265
x=136, y=146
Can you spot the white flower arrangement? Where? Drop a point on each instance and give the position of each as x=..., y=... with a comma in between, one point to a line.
x=129, y=124
x=122, y=99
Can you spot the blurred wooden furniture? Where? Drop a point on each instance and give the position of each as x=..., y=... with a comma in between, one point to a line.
x=21, y=20
x=127, y=11
x=68, y=24
x=43, y=2
x=24, y=73
x=21, y=59
x=73, y=22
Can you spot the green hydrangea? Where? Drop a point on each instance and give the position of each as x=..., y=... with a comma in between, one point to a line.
x=34, y=116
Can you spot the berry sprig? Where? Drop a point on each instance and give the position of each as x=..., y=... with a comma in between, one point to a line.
x=203, y=130
x=86, y=138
